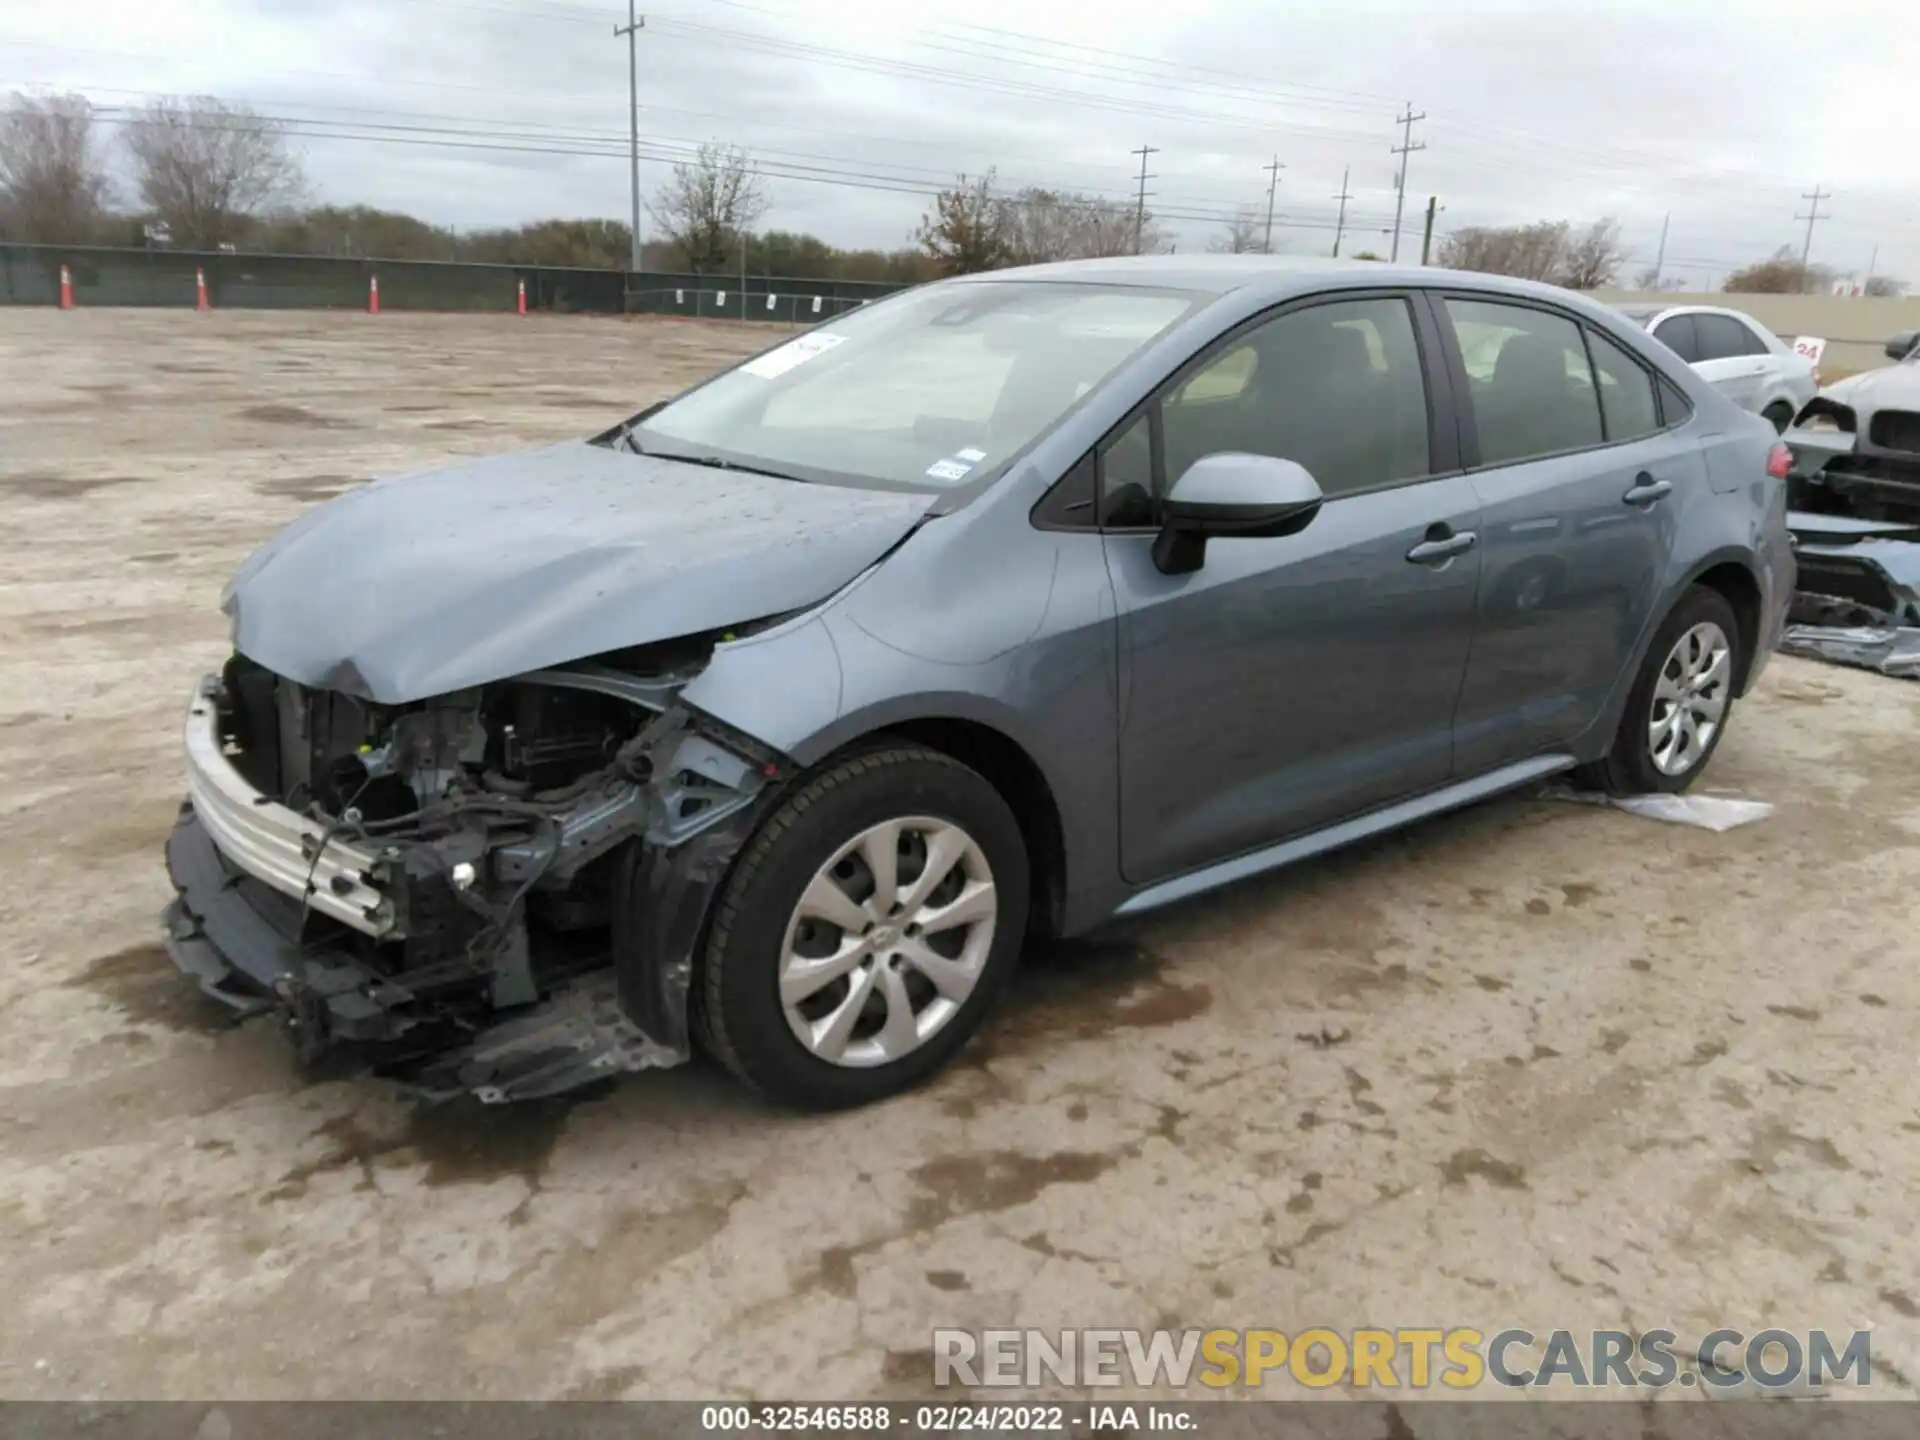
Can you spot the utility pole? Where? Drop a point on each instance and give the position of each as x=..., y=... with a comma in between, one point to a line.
x=1273, y=183
x=1140, y=204
x=1426, y=240
x=1813, y=214
x=1660, y=255
x=1405, y=148
x=635, y=24
x=1873, y=266
x=1340, y=225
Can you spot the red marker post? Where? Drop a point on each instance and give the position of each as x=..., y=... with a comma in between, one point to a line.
x=373, y=295
x=66, y=288
x=200, y=301
x=523, y=297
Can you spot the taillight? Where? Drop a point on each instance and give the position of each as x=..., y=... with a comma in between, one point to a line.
x=1779, y=462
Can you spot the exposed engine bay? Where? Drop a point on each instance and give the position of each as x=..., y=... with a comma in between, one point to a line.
x=496, y=890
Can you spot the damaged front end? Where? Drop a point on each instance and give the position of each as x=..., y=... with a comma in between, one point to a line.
x=1854, y=513
x=498, y=890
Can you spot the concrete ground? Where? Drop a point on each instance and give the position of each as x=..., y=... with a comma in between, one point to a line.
x=1536, y=1063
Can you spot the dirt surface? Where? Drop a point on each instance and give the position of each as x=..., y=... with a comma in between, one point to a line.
x=1536, y=1063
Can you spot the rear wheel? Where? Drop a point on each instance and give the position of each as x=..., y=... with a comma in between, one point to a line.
x=865, y=930
x=1680, y=702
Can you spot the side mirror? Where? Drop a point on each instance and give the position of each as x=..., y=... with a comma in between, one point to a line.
x=1246, y=496
x=1902, y=345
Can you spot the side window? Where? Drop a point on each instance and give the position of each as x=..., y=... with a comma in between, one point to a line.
x=1678, y=335
x=1069, y=505
x=1627, y=401
x=1337, y=387
x=1756, y=338
x=1675, y=408
x=1126, y=475
x=1723, y=338
x=1531, y=384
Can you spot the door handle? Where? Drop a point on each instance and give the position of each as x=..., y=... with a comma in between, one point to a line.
x=1646, y=490
x=1441, y=549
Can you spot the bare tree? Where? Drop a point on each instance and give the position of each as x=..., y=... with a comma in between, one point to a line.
x=53, y=186
x=1885, y=286
x=1592, y=257
x=969, y=228
x=1532, y=252
x=208, y=170
x=1109, y=227
x=1647, y=279
x=1043, y=225
x=1242, y=235
x=1779, y=274
x=709, y=205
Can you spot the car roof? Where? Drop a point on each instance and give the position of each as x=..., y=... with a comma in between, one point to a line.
x=1273, y=276
x=1647, y=312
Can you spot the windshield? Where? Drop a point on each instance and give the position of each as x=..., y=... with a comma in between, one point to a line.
x=929, y=390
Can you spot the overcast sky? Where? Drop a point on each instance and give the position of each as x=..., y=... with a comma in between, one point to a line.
x=1721, y=114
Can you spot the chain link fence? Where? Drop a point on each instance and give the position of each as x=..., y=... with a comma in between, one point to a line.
x=31, y=275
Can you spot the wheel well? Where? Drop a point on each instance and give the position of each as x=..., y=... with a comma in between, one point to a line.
x=1011, y=771
x=1738, y=587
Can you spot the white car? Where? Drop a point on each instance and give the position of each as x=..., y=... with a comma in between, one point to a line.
x=1734, y=353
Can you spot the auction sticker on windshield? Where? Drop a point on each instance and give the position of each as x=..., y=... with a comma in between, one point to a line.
x=795, y=352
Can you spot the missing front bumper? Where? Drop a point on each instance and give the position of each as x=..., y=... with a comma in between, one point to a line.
x=240, y=941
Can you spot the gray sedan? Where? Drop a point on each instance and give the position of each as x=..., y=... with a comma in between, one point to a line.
x=777, y=719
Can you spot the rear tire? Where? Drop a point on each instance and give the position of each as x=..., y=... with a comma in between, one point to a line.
x=827, y=982
x=1680, y=703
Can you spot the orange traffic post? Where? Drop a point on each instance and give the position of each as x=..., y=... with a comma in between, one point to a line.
x=373, y=295
x=200, y=288
x=523, y=297
x=66, y=288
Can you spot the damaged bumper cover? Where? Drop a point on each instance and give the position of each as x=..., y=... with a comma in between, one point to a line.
x=1856, y=534
x=322, y=923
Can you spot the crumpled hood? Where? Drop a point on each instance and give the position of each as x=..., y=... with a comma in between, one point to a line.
x=422, y=584
x=1895, y=385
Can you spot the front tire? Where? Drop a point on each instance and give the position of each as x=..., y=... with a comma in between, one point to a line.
x=865, y=931
x=1680, y=702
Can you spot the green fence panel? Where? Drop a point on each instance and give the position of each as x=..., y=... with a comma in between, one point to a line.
x=30, y=275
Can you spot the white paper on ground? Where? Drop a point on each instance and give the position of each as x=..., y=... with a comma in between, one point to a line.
x=1704, y=812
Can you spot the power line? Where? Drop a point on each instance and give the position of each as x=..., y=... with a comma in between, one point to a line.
x=1140, y=203
x=605, y=146
x=1405, y=148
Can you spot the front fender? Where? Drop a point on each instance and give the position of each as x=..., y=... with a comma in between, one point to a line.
x=1021, y=642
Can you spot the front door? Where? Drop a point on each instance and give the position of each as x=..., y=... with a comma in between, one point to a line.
x=1579, y=478
x=1292, y=681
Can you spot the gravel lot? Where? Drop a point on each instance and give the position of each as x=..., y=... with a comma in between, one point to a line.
x=1537, y=1063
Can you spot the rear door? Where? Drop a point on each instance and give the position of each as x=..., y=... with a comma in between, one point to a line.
x=1293, y=681
x=1575, y=469
x=1732, y=359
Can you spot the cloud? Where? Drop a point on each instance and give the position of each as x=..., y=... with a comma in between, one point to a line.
x=1718, y=117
